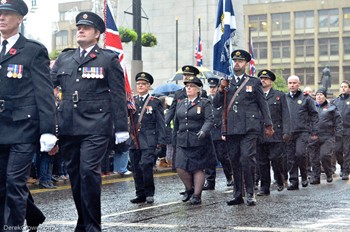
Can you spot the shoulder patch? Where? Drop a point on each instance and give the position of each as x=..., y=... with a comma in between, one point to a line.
x=35, y=42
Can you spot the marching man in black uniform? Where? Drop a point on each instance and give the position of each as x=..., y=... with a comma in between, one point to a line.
x=93, y=108
x=329, y=126
x=220, y=146
x=147, y=132
x=304, y=118
x=245, y=108
x=270, y=151
x=27, y=114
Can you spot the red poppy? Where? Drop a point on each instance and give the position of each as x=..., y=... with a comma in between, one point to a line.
x=277, y=98
x=13, y=51
x=92, y=55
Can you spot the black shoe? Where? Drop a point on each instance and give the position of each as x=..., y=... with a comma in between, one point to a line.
x=235, y=201
x=208, y=186
x=195, y=200
x=149, y=199
x=315, y=181
x=182, y=193
x=46, y=185
x=188, y=194
x=304, y=183
x=293, y=187
x=138, y=200
x=251, y=200
x=329, y=179
x=229, y=183
x=345, y=176
x=263, y=193
x=280, y=188
x=54, y=179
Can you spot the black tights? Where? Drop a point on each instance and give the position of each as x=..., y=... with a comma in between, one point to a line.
x=192, y=180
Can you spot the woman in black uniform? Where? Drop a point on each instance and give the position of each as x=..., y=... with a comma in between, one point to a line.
x=193, y=122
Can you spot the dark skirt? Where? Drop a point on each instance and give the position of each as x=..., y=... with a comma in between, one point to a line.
x=193, y=158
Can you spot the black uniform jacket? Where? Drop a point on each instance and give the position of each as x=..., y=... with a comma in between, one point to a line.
x=93, y=93
x=190, y=119
x=343, y=104
x=329, y=120
x=249, y=109
x=216, y=130
x=280, y=115
x=178, y=96
x=27, y=104
x=152, y=128
x=303, y=113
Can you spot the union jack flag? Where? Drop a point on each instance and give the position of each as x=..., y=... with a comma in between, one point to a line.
x=198, y=53
x=252, y=69
x=113, y=42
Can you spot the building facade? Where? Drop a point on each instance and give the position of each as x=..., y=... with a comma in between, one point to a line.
x=301, y=38
x=297, y=37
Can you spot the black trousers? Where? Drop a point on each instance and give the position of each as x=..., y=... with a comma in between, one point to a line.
x=221, y=154
x=83, y=156
x=270, y=155
x=297, y=156
x=321, y=151
x=142, y=162
x=15, y=164
x=242, y=151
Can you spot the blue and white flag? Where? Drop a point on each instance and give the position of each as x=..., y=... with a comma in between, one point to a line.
x=224, y=31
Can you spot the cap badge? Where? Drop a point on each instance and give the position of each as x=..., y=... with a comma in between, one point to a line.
x=187, y=68
x=3, y=1
x=191, y=78
x=238, y=53
x=85, y=16
x=264, y=72
x=142, y=75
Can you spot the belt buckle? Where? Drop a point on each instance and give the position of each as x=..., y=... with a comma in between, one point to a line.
x=2, y=105
x=75, y=97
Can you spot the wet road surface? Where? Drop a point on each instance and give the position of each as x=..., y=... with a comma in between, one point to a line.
x=324, y=207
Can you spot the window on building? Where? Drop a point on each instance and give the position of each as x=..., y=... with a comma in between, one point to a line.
x=328, y=18
x=260, y=50
x=280, y=49
x=306, y=75
x=258, y=23
x=304, y=48
x=61, y=39
x=346, y=70
x=328, y=47
x=280, y=22
x=346, y=15
x=304, y=20
x=346, y=41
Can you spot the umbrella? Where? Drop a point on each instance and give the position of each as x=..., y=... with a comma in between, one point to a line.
x=166, y=89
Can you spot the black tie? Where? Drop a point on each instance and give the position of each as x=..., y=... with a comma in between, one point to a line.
x=141, y=99
x=3, y=50
x=82, y=55
x=238, y=79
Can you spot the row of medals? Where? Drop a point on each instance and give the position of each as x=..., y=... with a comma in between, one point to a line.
x=92, y=72
x=15, y=71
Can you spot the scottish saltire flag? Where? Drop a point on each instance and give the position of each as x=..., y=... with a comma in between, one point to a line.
x=112, y=41
x=252, y=69
x=198, y=53
x=224, y=31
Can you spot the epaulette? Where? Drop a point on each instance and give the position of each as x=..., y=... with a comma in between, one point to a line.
x=35, y=42
x=68, y=49
x=109, y=50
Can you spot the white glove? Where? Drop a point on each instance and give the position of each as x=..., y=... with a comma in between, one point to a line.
x=121, y=137
x=47, y=142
